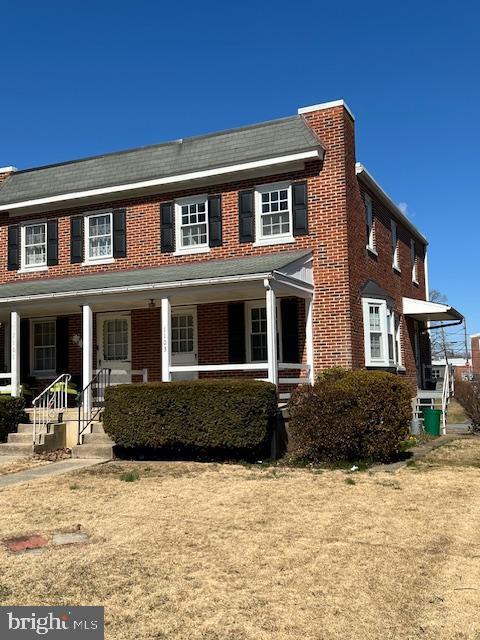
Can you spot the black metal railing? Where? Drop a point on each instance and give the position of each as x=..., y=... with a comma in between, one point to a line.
x=91, y=400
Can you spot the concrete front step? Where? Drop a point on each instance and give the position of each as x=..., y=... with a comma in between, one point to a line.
x=100, y=450
x=25, y=427
x=96, y=437
x=21, y=449
x=18, y=438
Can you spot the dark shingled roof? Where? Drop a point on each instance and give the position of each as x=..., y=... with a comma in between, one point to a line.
x=261, y=264
x=246, y=144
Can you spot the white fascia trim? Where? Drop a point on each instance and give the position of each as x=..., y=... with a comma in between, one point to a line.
x=195, y=175
x=360, y=170
x=139, y=287
x=8, y=169
x=327, y=105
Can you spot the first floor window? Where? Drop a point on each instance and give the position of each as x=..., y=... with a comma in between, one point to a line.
x=34, y=245
x=44, y=345
x=192, y=224
x=258, y=334
x=274, y=212
x=99, y=236
x=382, y=334
x=182, y=333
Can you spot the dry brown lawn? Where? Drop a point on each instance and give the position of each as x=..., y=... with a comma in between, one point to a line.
x=456, y=413
x=217, y=552
x=20, y=464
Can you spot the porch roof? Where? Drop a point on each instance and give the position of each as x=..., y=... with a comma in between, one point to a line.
x=187, y=274
x=426, y=311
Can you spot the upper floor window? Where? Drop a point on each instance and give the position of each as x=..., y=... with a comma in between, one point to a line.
x=370, y=225
x=413, y=252
x=191, y=225
x=34, y=245
x=395, y=247
x=273, y=213
x=98, y=237
x=382, y=334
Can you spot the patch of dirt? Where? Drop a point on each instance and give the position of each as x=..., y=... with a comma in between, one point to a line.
x=21, y=464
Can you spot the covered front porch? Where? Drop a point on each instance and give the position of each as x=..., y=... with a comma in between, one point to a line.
x=243, y=317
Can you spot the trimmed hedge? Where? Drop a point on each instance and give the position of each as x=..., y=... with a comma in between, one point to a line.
x=350, y=415
x=201, y=414
x=11, y=413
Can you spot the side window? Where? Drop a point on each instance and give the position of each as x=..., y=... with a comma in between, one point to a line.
x=395, y=247
x=382, y=334
x=370, y=224
x=413, y=251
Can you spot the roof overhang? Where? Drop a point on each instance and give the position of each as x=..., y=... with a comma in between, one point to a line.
x=116, y=192
x=373, y=185
x=425, y=311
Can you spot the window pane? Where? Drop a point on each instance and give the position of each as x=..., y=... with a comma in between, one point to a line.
x=115, y=339
x=44, y=349
x=35, y=245
x=376, y=346
x=100, y=236
x=182, y=333
x=275, y=215
x=375, y=324
x=194, y=225
x=258, y=337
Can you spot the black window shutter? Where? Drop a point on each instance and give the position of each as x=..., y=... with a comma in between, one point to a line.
x=52, y=242
x=119, y=233
x=300, y=209
x=289, y=315
x=215, y=221
x=76, y=239
x=24, y=349
x=236, y=332
x=246, y=216
x=13, y=247
x=167, y=238
x=62, y=344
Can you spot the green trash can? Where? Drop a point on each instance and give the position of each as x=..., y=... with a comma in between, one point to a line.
x=431, y=421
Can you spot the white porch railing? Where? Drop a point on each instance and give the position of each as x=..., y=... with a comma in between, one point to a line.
x=447, y=392
x=48, y=403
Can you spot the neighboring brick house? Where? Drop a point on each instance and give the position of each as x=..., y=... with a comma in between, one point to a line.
x=264, y=251
x=475, y=351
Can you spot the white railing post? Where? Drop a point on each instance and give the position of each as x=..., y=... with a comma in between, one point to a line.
x=272, y=356
x=87, y=355
x=15, y=353
x=309, y=338
x=166, y=340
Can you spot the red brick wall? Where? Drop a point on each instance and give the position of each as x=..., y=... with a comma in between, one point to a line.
x=475, y=346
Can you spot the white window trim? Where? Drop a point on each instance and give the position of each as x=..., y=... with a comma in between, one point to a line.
x=385, y=311
x=370, y=222
x=414, y=260
x=24, y=268
x=260, y=304
x=86, y=232
x=201, y=248
x=41, y=373
x=395, y=246
x=284, y=238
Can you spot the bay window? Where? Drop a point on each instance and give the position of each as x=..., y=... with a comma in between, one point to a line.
x=382, y=334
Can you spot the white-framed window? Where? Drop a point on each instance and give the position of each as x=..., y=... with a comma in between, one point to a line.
x=382, y=334
x=116, y=342
x=34, y=245
x=99, y=237
x=191, y=225
x=43, y=338
x=256, y=331
x=273, y=214
x=370, y=224
x=395, y=247
x=413, y=253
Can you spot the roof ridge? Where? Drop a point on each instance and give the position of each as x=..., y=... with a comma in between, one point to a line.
x=161, y=144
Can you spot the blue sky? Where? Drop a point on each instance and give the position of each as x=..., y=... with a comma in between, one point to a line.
x=81, y=78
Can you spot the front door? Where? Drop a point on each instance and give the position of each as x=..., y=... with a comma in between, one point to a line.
x=184, y=341
x=114, y=346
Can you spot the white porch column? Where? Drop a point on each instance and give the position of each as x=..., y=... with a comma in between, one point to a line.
x=15, y=353
x=309, y=337
x=166, y=339
x=272, y=355
x=87, y=353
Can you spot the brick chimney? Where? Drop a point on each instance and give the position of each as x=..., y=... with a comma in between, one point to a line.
x=5, y=172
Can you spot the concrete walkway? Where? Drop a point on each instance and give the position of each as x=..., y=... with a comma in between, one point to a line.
x=49, y=470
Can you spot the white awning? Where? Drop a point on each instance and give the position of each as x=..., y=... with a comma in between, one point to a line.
x=425, y=311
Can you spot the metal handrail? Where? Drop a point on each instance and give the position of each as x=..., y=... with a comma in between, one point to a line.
x=91, y=400
x=447, y=392
x=49, y=402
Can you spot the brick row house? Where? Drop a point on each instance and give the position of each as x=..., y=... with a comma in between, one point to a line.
x=263, y=251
